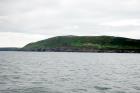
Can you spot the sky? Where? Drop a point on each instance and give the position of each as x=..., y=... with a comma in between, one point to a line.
x=25, y=21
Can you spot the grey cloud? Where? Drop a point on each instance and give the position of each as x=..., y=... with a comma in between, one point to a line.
x=59, y=17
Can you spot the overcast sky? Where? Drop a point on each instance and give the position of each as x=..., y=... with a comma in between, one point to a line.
x=24, y=21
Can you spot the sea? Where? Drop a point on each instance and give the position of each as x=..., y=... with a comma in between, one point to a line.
x=69, y=72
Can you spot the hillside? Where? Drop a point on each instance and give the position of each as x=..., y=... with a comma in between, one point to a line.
x=85, y=44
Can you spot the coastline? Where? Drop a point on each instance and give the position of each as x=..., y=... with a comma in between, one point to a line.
x=84, y=50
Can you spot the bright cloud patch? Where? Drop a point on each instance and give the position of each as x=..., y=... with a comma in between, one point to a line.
x=10, y=39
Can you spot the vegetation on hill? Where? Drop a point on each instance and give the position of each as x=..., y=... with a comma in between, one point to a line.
x=84, y=42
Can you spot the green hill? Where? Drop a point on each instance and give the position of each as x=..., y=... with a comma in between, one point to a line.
x=84, y=43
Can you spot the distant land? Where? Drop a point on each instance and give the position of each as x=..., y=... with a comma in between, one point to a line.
x=71, y=43
x=9, y=49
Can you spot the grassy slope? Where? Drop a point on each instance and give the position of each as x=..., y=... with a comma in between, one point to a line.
x=96, y=42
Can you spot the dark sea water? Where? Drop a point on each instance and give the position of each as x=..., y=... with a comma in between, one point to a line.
x=53, y=72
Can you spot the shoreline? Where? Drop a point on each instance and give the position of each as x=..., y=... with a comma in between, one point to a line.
x=64, y=49
x=85, y=50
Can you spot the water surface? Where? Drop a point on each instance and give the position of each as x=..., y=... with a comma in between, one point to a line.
x=53, y=72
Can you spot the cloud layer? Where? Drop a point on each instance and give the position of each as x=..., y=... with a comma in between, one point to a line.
x=71, y=17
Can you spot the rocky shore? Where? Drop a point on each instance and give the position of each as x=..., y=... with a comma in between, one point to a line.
x=85, y=50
